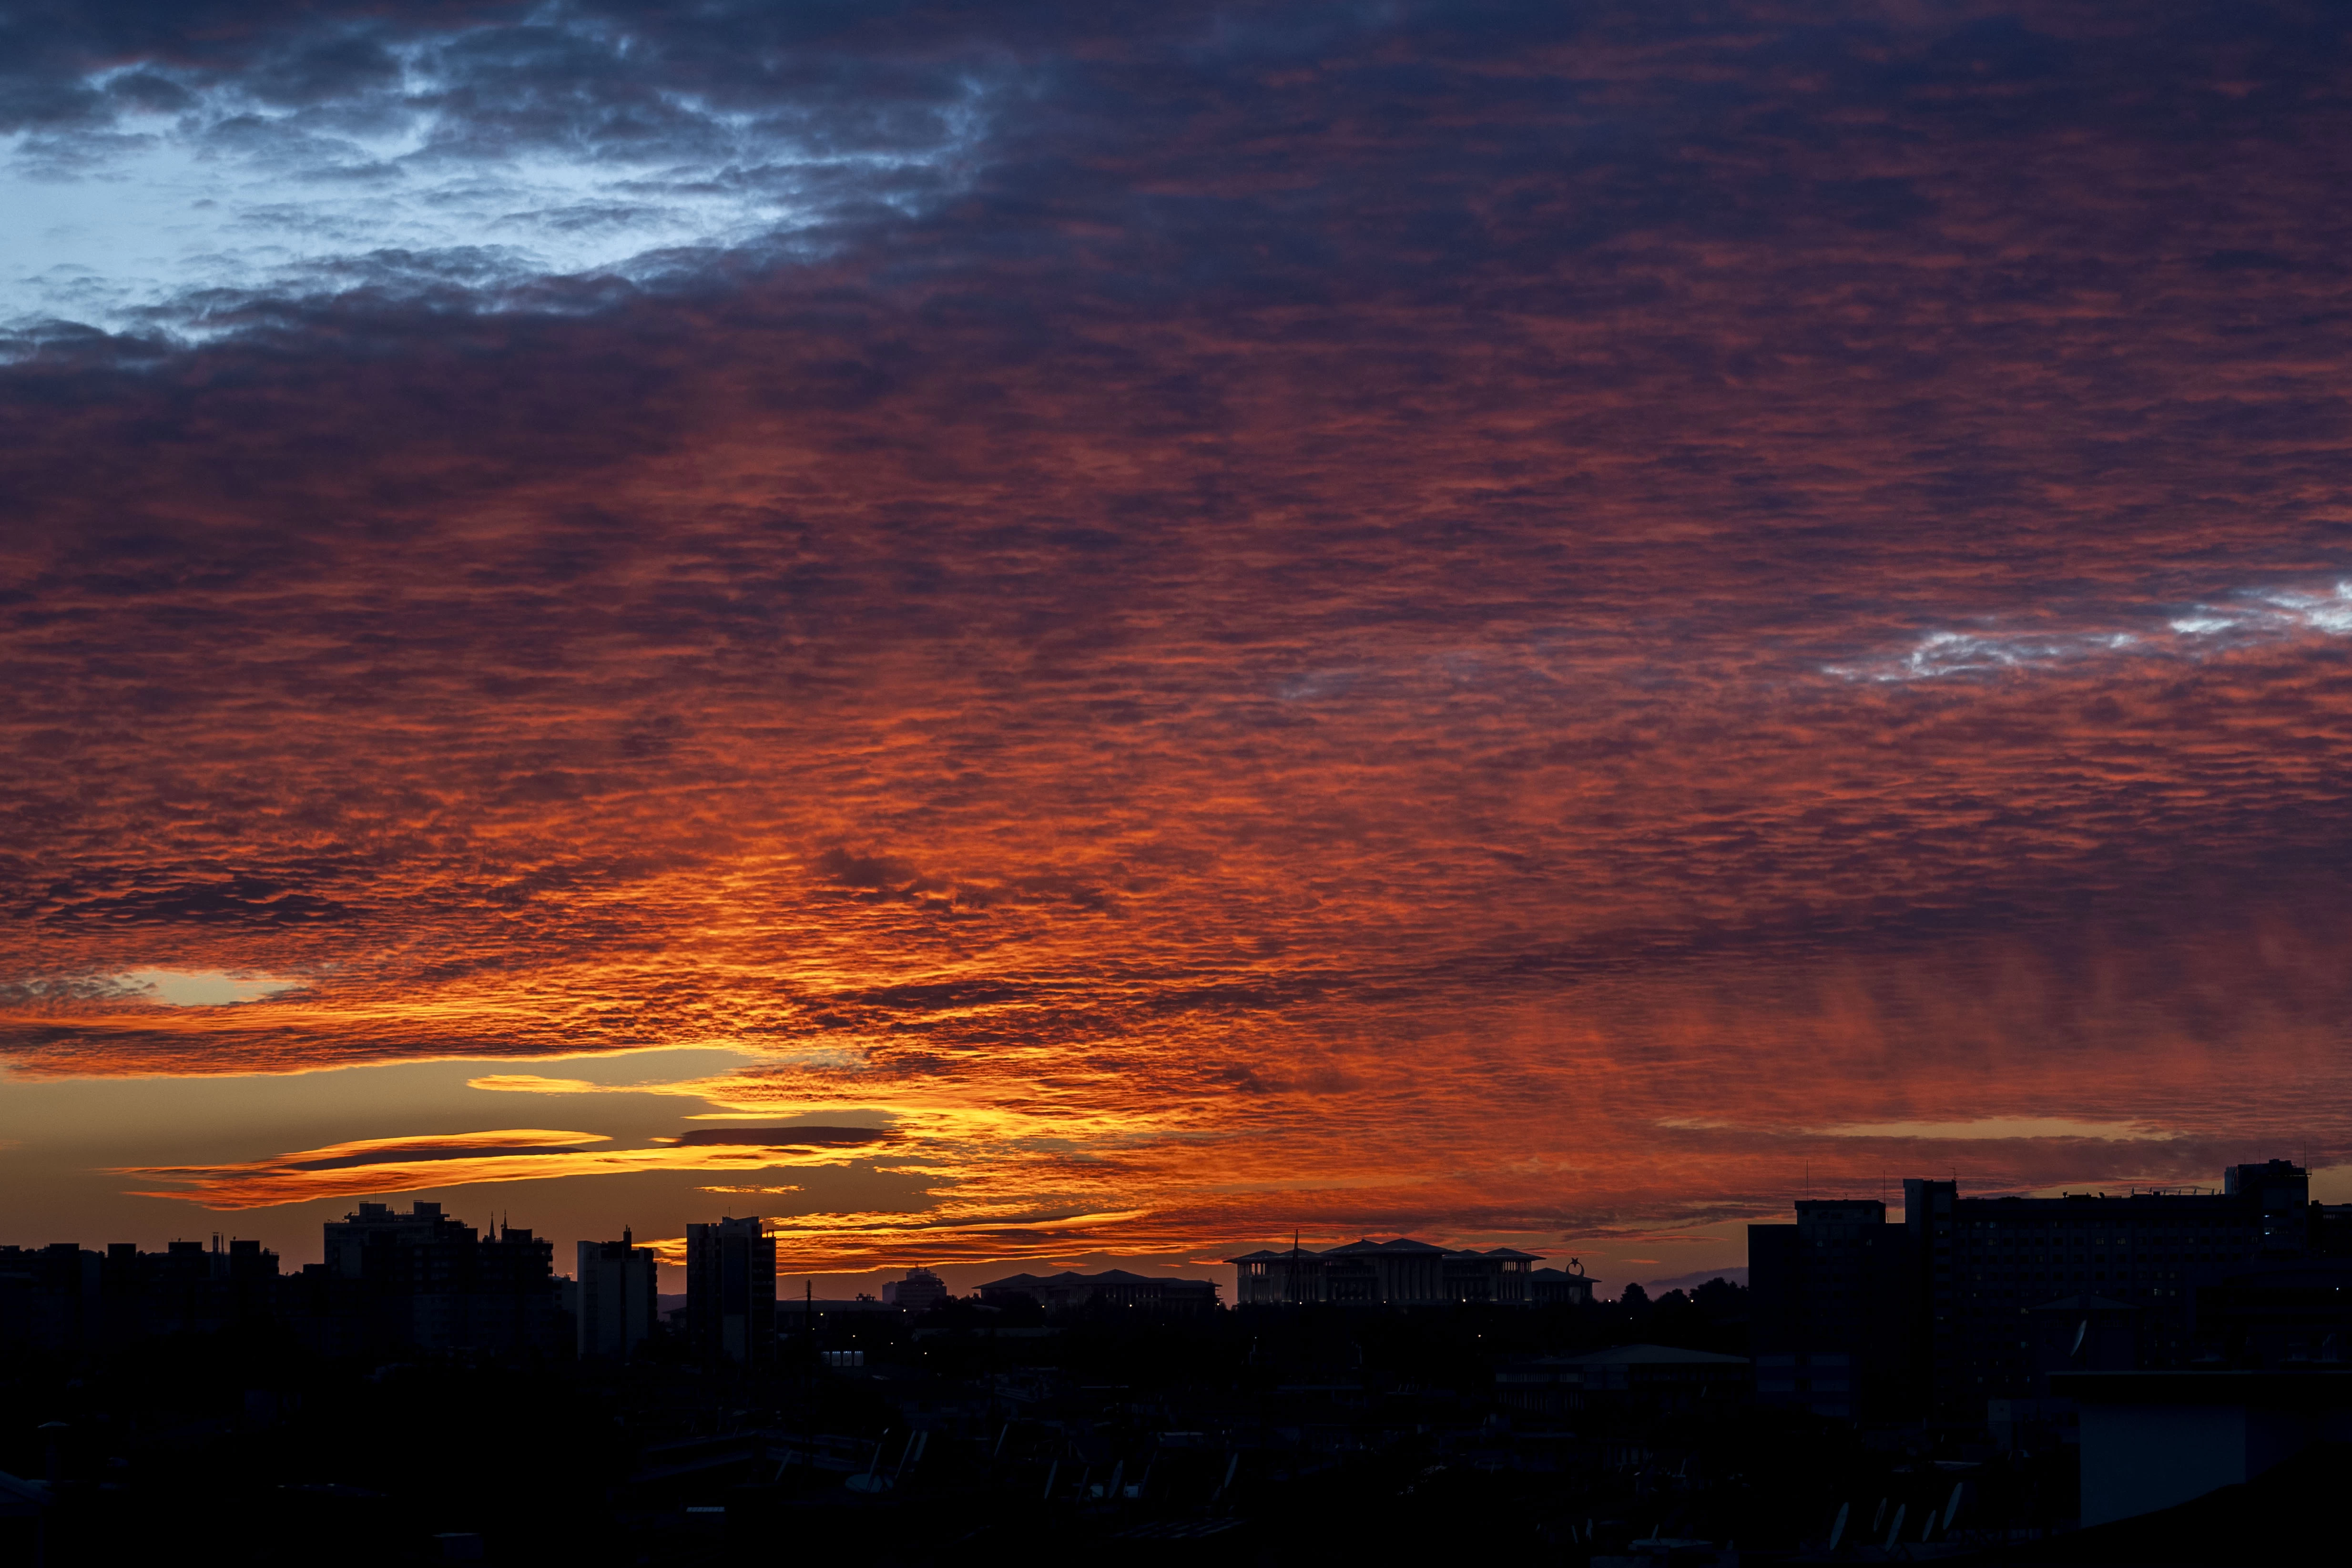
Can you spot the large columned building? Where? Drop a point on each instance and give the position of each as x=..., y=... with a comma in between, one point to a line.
x=1400, y=1273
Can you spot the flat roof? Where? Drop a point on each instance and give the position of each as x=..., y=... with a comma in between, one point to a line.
x=2316, y=1386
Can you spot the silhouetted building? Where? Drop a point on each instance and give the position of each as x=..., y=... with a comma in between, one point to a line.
x=919, y=1291
x=2153, y=1440
x=422, y=1280
x=619, y=1303
x=65, y=1298
x=1983, y=1267
x=1960, y=1305
x=1113, y=1288
x=1569, y=1287
x=1829, y=1311
x=2277, y=1315
x=1400, y=1273
x=48, y=1297
x=731, y=1290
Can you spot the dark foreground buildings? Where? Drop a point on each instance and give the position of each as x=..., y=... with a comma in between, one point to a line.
x=424, y=1280
x=390, y=1281
x=1961, y=1312
x=59, y=1299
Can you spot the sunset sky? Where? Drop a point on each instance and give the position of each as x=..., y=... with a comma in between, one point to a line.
x=1076, y=631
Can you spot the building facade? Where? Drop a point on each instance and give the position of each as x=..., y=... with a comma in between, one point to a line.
x=1569, y=1287
x=1113, y=1289
x=1961, y=1302
x=1400, y=1273
x=65, y=1298
x=919, y=1291
x=619, y=1303
x=731, y=1290
x=423, y=1280
x=1831, y=1311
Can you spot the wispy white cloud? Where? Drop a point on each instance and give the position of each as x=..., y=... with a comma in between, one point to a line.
x=1978, y=1129
x=2250, y=614
x=2001, y=1128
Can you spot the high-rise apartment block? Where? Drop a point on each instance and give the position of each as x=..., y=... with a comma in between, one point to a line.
x=1825, y=1340
x=731, y=1290
x=618, y=1300
x=919, y=1291
x=1969, y=1302
x=423, y=1279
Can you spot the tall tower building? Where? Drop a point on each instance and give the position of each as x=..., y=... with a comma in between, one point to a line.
x=618, y=1304
x=731, y=1290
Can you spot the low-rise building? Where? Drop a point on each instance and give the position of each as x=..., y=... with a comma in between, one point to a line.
x=1638, y=1379
x=2154, y=1439
x=1569, y=1287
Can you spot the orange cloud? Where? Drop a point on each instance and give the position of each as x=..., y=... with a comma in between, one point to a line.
x=413, y=1164
x=1543, y=693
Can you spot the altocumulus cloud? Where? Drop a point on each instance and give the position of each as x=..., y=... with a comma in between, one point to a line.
x=176, y=189
x=1180, y=605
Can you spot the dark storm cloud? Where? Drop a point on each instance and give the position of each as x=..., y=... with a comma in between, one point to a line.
x=1356, y=570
